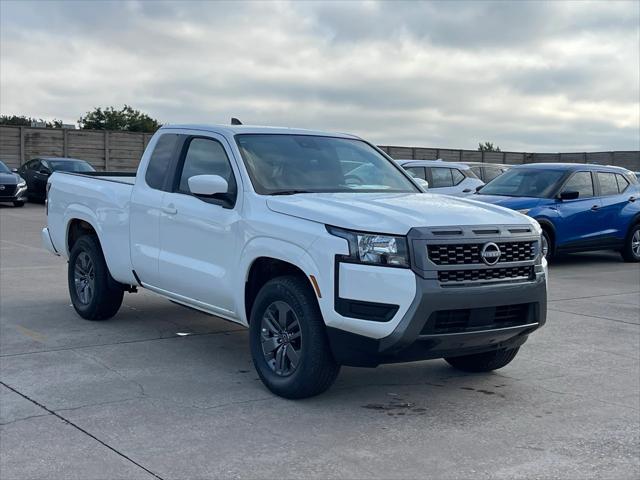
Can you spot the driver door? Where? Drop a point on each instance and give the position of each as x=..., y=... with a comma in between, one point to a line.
x=198, y=236
x=579, y=225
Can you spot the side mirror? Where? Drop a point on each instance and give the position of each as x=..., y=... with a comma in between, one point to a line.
x=478, y=188
x=422, y=182
x=207, y=185
x=569, y=195
x=14, y=170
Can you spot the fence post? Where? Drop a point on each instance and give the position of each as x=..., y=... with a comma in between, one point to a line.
x=437, y=153
x=22, y=153
x=482, y=156
x=106, y=150
x=413, y=153
x=65, y=142
x=504, y=157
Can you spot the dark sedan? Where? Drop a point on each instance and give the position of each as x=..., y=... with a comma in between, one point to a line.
x=37, y=171
x=13, y=188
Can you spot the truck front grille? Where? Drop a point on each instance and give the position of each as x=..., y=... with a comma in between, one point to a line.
x=478, y=319
x=486, y=274
x=469, y=253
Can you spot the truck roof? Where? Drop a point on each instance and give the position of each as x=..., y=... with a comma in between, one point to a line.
x=256, y=129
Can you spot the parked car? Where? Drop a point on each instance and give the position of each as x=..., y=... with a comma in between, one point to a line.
x=443, y=177
x=270, y=228
x=13, y=188
x=37, y=171
x=580, y=207
x=487, y=171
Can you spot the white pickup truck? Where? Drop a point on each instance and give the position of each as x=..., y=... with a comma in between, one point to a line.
x=320, y=243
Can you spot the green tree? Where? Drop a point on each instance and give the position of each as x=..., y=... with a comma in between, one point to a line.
x=125, y=119
x=23, y=121
x=488, y=147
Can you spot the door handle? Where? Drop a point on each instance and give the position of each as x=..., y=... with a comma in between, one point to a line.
x=632, y=199
x=594, y=208
x=169, y=210
x=466, y=190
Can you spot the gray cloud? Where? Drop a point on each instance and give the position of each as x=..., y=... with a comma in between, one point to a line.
x=555, y=76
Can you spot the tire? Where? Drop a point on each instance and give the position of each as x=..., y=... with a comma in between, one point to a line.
x=101, y=297
x=18, y=204
x=300, y=334
x=483, y=362
x=631, y=250
x=548, y=239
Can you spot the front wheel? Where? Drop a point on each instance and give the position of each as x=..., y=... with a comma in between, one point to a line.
x=95, y=295
x=483, y=362
x=547, y=246
x=289, y=345
x=631, y=250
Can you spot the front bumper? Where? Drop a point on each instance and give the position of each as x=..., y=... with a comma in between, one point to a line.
x=47, y=242
x=414, y=337
x=12, y=194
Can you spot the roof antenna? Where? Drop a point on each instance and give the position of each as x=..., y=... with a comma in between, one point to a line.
x=235, y=121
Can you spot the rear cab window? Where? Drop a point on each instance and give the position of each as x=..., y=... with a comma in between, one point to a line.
x=159, y=164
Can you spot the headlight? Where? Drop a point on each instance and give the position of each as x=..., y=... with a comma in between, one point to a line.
x=22, y=184
x=524, y=211
x=375, y=248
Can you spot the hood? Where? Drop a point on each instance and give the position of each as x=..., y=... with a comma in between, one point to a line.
x=516, y=203
x=392, y=212
x=9, y=179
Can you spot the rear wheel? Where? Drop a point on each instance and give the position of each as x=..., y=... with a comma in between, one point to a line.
x=483, y=362
x=95, y=295
x=289, y=344
x=631, y=250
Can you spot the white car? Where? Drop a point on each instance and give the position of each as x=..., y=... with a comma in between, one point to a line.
x=270, y=228
x=447, y=178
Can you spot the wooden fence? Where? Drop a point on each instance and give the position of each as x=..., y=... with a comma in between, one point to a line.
x=121, y=151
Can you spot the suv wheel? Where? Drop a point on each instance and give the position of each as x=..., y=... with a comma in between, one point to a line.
x=483, y=362
x=631, y=250
x=547, y=246
x=289, y=344
x=95, y=295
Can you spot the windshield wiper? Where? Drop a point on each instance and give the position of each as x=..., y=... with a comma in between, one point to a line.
x=289, y=192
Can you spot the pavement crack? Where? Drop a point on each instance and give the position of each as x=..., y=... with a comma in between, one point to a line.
x=77, y=427
x=125, y=342
x=594, y=316
x=113, y=370
x=23, y=419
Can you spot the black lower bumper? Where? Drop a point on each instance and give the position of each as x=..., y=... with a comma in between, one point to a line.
x=419, y=337
x=14, y=196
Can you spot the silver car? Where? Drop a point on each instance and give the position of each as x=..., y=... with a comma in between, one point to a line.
x=448, y=178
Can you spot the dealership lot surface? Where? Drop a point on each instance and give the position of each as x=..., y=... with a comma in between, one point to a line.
x=136, y=398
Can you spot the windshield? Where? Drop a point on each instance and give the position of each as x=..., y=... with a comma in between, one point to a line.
x=3, y=168
x=66, y=166
x=524, y=182
x=286, y=164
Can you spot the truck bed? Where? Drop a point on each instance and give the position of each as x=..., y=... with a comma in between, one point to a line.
x=119, y=177
x=103, y=200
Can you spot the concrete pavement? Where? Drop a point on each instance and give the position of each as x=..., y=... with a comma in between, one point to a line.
x=132, y=398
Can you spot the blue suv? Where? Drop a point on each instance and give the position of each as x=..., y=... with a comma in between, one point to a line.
x=580, y=207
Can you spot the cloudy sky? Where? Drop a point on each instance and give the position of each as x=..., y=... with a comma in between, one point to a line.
x=555, y=76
